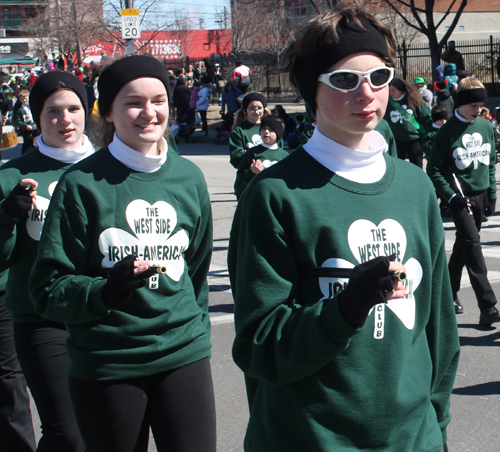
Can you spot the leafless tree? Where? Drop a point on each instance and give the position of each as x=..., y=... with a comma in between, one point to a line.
x=423, y=20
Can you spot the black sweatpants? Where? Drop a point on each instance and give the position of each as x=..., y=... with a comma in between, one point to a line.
x=41, y=351
x=179, y=405
x=16, y=428
x=467, y=251
x=412, y=149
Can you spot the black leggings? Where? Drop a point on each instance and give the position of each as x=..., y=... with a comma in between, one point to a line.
x=16, y=429
x=179, y=405
x=41, y=351
x=412, y=149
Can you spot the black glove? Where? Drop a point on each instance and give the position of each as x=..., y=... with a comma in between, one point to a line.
x=490, y=207
x=18, y=202
x=367, y=287
x=458, y=202
x=121, y=282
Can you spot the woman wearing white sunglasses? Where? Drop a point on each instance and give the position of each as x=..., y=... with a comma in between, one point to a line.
x=344, y=318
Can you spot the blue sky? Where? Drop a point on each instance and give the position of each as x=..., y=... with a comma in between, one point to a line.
x=207, y=10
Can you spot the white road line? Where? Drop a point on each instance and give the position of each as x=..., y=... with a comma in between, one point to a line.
x=221, y=319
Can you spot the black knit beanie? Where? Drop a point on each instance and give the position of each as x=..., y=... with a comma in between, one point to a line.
x=50, y=82
x=115, y=76
x=272, y=123
x=352, y=39
x=250, y=97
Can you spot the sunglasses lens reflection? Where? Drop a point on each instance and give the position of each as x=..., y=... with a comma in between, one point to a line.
x=349, y=81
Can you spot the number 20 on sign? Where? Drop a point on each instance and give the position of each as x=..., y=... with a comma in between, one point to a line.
x=130, y=24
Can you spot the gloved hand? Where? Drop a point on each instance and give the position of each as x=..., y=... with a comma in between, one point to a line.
x=490, y=207
x=367, y=287
x=18, y=202
x=121, y=282
x=459, y=202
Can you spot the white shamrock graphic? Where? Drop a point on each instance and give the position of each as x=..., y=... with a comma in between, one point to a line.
x=255, y=141
x=396, y=116
x=37, y=215
x=268, y=163
x=474, y=151
x=153, y=241
x=367, y=241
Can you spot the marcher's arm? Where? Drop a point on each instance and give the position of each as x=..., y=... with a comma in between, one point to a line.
x=279, y=338
x=199, y=253
x=236, y=147
x=59, y=288
x=436, y=166
x=443, y=341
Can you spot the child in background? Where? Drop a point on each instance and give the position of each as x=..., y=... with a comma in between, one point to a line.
x=462, y=168
x=261, y=156
x=23, y=120
x=439, y=117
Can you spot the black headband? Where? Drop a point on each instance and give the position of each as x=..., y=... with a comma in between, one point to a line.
x=443, y=114
x=352, y=39
x=471, y=96
x=115, y=76
x=272, y=123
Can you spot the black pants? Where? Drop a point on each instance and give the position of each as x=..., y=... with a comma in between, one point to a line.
x=204, y=123
x=467, y=251
x=16, y=428
x=179, y=405
x=41, y=350
x=412, y=149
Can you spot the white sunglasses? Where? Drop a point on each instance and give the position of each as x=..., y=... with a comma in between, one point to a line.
x=347, y=80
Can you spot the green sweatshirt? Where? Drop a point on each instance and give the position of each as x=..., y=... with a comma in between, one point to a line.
x=402, y=129
x=267, y=156
x=101, y=212
x=21, y=120
x=467, y=149
x=385, y=130
x=315, y=383
x=243, y=137
x=428, y=140
x=3, y=282
x=19, y=239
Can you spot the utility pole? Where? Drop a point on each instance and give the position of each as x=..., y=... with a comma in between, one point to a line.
x=225, y=17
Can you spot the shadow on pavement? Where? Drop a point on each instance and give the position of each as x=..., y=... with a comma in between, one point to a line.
x=482, y=389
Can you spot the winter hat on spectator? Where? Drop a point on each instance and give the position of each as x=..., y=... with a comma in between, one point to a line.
x=50, y=82
x=273, y=123
x=115, y=76
x=250, y=97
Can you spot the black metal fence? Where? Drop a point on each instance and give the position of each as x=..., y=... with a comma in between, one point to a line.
x=413, y=60
x=480, y=58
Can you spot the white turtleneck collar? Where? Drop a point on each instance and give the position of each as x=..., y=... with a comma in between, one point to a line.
x=270, y=146
x=66, y=155
x=136, y=160
x=461, y=118
x=364, y=167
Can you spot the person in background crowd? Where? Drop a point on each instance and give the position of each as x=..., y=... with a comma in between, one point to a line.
x=328, y=339
x=139, y=339
x=242, y=77
x=444, y=98
x=246, y=130
x=422, y=89
x=289, y=123
x=452, y=55
x=182, y=96
x=462, y=168
x=203, y=101
x=217, y=84
x=409, y=117
x=262, y=156
x=23, y=120
x=58, y=105
x=450, y=75
x=229, y=101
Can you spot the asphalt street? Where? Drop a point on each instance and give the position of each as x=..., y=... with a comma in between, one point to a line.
x=476, y=396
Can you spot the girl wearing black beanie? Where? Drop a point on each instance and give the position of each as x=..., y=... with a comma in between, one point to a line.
x=58, y=105
x=126, y=269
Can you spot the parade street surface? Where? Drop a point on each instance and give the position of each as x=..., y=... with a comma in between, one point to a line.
x=476, y=395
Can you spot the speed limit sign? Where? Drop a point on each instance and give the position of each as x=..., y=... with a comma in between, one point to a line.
x=130, y=24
